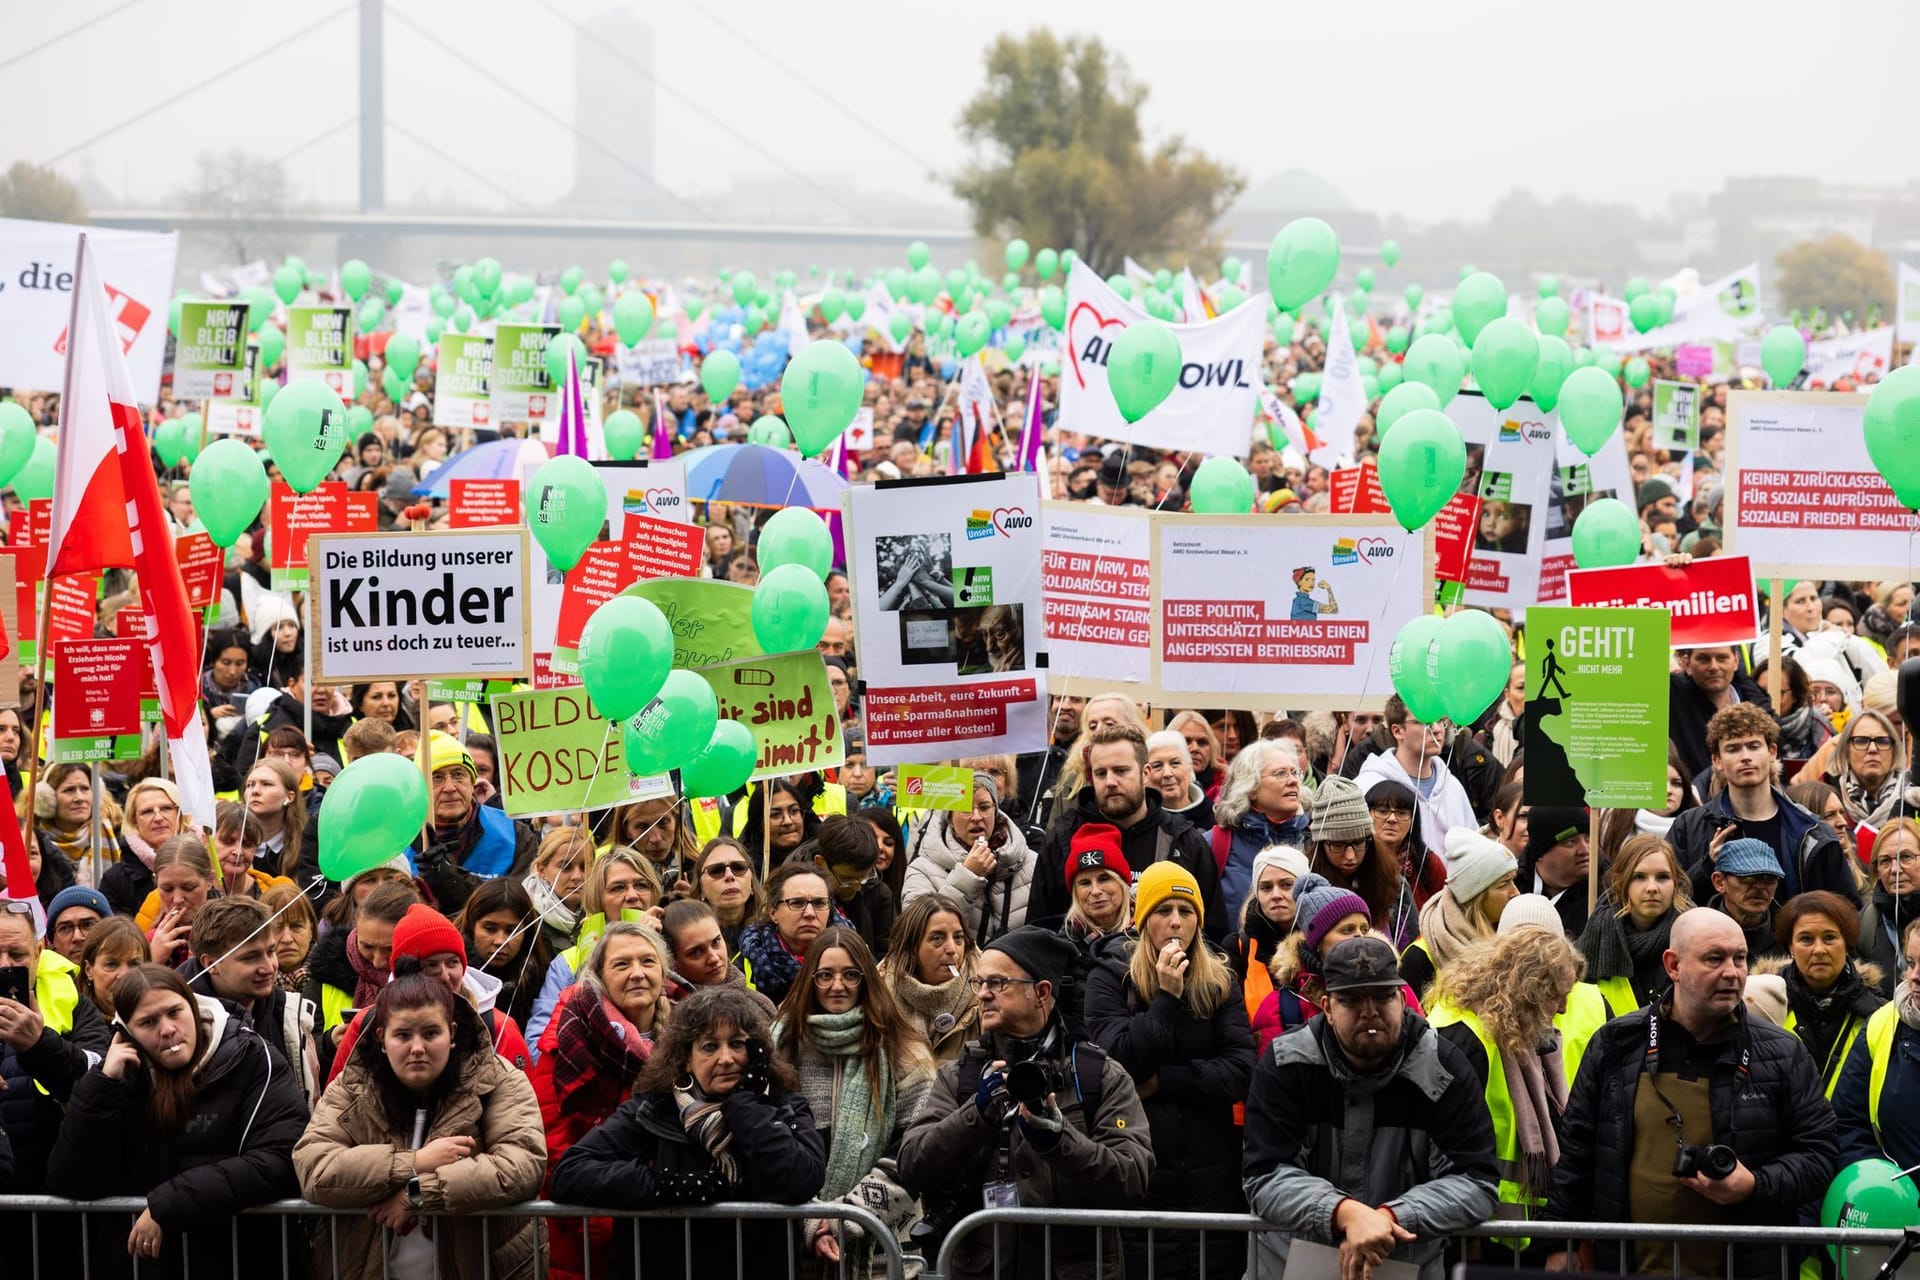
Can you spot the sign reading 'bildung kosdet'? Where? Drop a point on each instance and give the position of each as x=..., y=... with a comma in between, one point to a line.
x=440, y=605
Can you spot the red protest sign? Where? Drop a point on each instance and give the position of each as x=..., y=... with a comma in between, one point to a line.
x=1711, y=600
x=1453, y=527
x=602, y=573
x=480, y=504
x=96, y=688
x=71, y=602
x=202, y=567
x=659, y=548
x=545, y=677
x=1356, y=490
x=295, y=517
x=29, y=563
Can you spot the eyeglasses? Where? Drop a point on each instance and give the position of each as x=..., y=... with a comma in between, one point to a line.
x=17, y=906
x=824, y=978
x=997, y=984
x=1909, y=858
x=1396, y=815
x=1346, y=846
x=727, y=871
x=816, y=905
x=73, y=928
x=1282, y=775
x=1872, y=742
x=1371, y=997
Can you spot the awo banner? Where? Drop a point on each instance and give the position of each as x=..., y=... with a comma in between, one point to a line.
x=1211, y=410
x=1097, y=578
x=1719, y=310
x=1577, y=481
x=951, y=616
x=1863, y=357
x=441, y=605
x=1510, y=467
x=36, y=297
x=1711, y=600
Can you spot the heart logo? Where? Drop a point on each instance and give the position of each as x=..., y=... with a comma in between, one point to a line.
x=1361, y=545
x=1000, y=515
x=658, y=498
x=1100, y=323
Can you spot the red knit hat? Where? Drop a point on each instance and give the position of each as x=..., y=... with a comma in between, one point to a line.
x=424, y=932
x=1097, y=844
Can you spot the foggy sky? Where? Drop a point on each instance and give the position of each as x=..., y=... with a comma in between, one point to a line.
x=1409, y=107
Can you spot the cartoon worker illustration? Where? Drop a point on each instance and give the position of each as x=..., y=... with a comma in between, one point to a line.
x=1305, y=607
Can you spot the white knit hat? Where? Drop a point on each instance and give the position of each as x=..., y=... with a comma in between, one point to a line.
x=1532, y=909
x=1475, y=864
x=1283, y=856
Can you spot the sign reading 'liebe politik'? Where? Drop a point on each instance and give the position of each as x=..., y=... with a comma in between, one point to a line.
x=1211, y=407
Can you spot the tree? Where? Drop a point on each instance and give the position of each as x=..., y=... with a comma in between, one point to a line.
x=1064, y=162
x=30, y=191
x=243, y=191
x=1838, y=274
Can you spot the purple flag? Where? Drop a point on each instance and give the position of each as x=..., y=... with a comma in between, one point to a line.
x=1032, y=429
x=573, y=415
x=662, y=438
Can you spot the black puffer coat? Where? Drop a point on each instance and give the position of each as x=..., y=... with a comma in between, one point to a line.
x=55, y=1062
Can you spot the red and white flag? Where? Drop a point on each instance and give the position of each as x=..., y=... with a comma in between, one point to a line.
x=107, y=514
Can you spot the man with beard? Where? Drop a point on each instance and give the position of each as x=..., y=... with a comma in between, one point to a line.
x=1117, y=792
x=1690, y=1111
x=1366, y=1129
x=1877, y=1100
x=1745, y=880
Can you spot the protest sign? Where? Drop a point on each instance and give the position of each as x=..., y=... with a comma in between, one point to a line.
x=1356, y=490
x=1253, y=612
x=240, y=414
x=421, y=604
x=1606, y=320
x=1454, y=526
x=946, y=679
x=24, y=568
x=1096, y=579
x=1596, y=713
x=652, y=362
x=210, y=357
x=600, y=574
x=9, y=627
x=786, y=700
x=1711, y=601
x=712, y=621
x=1694, y=360
x=644, y=488
x=203, y=567
x=1510, y=468
x=96, y=700
x=1864, y=357
x=72, y=601
x=558, y=754
x=1209, y=411
x=36, y=297
x=1803, y=498
x=659, y=548
x=1676, y=416
x=462, y=396
x=934, y=786
x=320, y=345
x=292, y=518
x=519, y=387
x=1907, y=310
x=482, y=504
x=1717, y=311
x=1576, y=481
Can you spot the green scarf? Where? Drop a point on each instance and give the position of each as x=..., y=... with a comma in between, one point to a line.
x=856, y=1146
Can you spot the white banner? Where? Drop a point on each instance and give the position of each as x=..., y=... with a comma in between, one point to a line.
x=1607, y=321
x=1576, y=481
x=1254, y=612
x=651, y=362
x=1210, y=411
x=1097, y=577
x=1342, y=397
x=442, y=605
x=36, y=297
x=1907, y=304
x=1864, y=357
x=1510, y=463
x=1720, y=310
x=644, y=488
x=946, y=576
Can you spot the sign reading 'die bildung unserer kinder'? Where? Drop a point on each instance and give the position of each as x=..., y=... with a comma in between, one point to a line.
x=951, y=618
x=445, y=604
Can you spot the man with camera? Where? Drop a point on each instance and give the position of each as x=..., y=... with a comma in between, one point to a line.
x=1690, y=1111
x=1028, y=1117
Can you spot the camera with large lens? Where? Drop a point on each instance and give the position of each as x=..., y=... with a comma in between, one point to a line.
x=1029, y=1082
x=1712, y=1162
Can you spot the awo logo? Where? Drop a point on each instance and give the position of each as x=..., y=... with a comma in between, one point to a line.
x=1004, y=521
x=1514, y=431
x=1361, y=550
x=655, y=500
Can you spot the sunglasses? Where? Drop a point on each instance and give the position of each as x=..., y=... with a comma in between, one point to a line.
x=727, y=871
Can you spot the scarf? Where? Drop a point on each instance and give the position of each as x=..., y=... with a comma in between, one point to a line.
x=1447, y=928
x=774, y=967
x=368, y=981
x=862, y=1122
x=1615, y=949
x=141, y=849
x=548, y=904
x=1894, y=914
x=938, y=1009
x=594, y=1042
x=78, y=845
x=1803, y=730
x=1537, y=1084
x=704, y=1122
x=1648, y=823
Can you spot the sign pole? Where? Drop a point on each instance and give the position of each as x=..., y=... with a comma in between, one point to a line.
x=93, y=839
x=1775, y=617
x=1593, y=858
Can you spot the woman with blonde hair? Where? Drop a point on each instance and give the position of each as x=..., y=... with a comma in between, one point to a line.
x=1203, y=748
x=272, y=793
x=1481, y=880
x=1895, y=900
x=1627, y=934
x=66, y=821
x=153, y=817
x=621, y=885
x=559, y=875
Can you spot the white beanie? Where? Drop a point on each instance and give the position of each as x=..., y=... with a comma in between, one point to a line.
x=1285, y=857
x=1532, y=909
x=268, y=612
x=1475, y=864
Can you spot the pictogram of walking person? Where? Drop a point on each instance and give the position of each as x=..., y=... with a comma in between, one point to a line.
x=1550, y=673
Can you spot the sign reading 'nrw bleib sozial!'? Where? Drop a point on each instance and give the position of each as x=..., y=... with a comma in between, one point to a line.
x=1211, y=407
x=439, y=605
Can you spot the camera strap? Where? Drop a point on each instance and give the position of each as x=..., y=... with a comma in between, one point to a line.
x=1652, y=1067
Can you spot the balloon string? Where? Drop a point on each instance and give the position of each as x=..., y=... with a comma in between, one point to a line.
x=1373, y=649
x=264, y=924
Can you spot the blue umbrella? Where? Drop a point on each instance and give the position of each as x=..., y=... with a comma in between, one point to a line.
x=756, y=476
x=494, y=460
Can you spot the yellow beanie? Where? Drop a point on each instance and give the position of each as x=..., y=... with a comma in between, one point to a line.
x=445, y=751
x=1161, y=881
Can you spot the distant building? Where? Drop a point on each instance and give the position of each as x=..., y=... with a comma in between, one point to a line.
x=614, y=107
x=1272, y=203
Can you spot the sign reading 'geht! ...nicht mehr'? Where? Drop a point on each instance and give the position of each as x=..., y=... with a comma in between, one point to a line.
x=392, y=606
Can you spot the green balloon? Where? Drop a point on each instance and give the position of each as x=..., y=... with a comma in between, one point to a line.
x=273, y=344
x=1143, y=367
x=359, y=420
x=1548, y=287
x=1637, y=372
x=1473, y=661
x=1504, y=358
x=403, y=354
x=393, y=385
x=796, y=535
x=918, y=255
x=1435, y=361
x=305, y=429
x=998, y=313
x=667, y=330
x=1872, y=1194
x=746, y=287
x=173, y=316
x=288, y=281
x=1468, y=269
x=625, y=435
x=374, y=809
x=566, y=508
x=924, y=285
x=1892, y=429
x=1053, y=307
x=572, y=313
x=1015, y=347
x=971, y=333
x=555, y=357
x=1582, y=357
x=355, y=278
x=1644, y=311
x=1163, y=279
x=789, y=609
x=1068, y=257
x=1222, y=486
x=720, y=374
x=1363, y=280
x=900, y=326
x=673, y=728
x=1422, y=462
x=820, y=393
x=724, y=766
x=1402, y=400
x=486, y=277
x=1390, y=252
x=833, y=305
x=444, y=304
x=1413, y=293
x=1302, y=262
x=1231, y=296
x=396, y=290
x=633, y=316
x=856, y=306
x=520, y=289
x=1017, y=251
x=1551, y=316
x=1410, y=667
x=617, y=271
x=769, y=431
x=1550, y=372
x=167, y=443
x=1398, y=340
x=1783, y=353
x=626, y=651
x=1390, y=377
x=1590, y=408
x=1046, y=263
x=17, y=436
x=372, y=312
x=1121, y=285
x=1636, y=287
x=1479, y=301
x=1606, y=535
x=229, y=487
x=34, y=479
x=570, y=280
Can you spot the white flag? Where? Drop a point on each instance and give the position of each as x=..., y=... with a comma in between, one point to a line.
x=1342, y=398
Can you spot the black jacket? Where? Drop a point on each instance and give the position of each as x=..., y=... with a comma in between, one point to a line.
x=619, y=1165
x=328, y=966
x=1813, y=856
x=235, y=1152
x=1776, y=1119
x=126, y=883
x=1144, y=843
x=1688, y=710
x=56, y=1062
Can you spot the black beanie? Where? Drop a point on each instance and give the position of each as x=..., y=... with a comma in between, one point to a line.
x=1044, y=954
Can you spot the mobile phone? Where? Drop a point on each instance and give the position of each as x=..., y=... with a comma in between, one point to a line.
x=16, y=981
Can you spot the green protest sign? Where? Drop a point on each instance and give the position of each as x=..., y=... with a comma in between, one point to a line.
x=320, y=345
x=934, y=786
x=461, y=395
x=520, y=388
x=210, y=357
x=1676, y=416
x=477, y=689
x=786, y=700
x=557, y=754
x=1597, y=707
x=712, y=621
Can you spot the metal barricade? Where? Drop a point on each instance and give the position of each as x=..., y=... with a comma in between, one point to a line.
x=43, y=1263
x=1793, y=1243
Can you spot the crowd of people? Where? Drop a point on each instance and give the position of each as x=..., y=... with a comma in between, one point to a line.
x=1330, y=968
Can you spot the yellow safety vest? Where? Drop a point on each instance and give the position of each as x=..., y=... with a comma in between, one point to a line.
x=1882, y=1027
x=57, y=993
x=334, y=1003
x=1619, y=993
x=1842, y=1047
x=1515, y=1202
x=1586, y=1013
x=706, y=811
